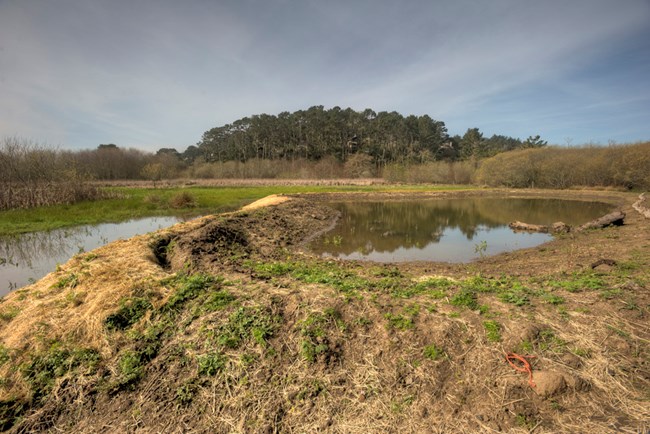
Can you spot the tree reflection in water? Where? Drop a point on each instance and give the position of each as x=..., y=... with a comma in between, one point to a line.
x=28, y=257
x=444, y=229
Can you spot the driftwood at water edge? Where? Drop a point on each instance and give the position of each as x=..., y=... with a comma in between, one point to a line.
x=614, y=218
x=557, y=227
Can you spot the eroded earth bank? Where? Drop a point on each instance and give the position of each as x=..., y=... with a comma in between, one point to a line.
x=228, y=324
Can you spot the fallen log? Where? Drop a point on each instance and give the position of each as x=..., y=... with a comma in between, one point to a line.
x=555, y=228
x=642, y=209
x=527, y=227
x=612, y=219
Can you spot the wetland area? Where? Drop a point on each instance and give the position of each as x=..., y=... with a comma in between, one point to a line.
x=236, y=322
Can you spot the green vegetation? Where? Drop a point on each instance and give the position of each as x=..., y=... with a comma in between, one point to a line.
x=43, y=368
x=492, y=330
x=314, y=330
x=243, y=324
x=211, y=364
x=130, y=312
x=69, y=281
x=433, y=352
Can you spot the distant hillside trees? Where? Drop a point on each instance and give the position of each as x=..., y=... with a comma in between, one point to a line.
x=385, y=137
x=315, y=133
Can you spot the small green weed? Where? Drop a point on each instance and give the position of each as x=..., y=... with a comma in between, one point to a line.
x=433, y=352
x=211, y=364
x=9, y=313
x=314, y=330
x=492, y=330
x=245, y=323
x=310, y=390
x=4, y=355
x=190, y=287
x=609, y=294
x=69, y=281
x=548, y=341
x=217, y=301
x=582, y=352
x=481, y=248
x=131, y=367
x=130, y=312
x=465, y=298
x=399, y=322
x=185, y=393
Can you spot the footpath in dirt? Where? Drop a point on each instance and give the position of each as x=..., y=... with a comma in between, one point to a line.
x=228, y=324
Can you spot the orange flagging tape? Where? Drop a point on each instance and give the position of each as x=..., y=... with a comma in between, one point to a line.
x=524, y=367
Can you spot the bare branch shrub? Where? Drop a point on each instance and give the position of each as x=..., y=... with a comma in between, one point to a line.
x=34, y=175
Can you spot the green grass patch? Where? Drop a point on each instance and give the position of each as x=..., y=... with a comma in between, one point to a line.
x=69, y=281
x=43, y=368
x=4, y=355
x=130, y=311
x=399, y=321
x=433, y=352
x=211, y=364
x=244, y=324
x=9, y=313
x=189, y=287
x=329, y=274
x=314, y=331
x=465, y=298
x=492, y=331
x=435, y=287
x=131, y=367
x=578, y=282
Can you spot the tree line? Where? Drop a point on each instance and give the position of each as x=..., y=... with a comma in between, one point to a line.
x=319, y=143
x=315, y=133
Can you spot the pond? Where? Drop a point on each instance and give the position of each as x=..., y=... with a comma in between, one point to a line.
x=448, y=230
x=28, y=257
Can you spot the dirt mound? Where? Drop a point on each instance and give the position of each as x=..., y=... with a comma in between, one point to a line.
x=228, y=324
x=262, y=232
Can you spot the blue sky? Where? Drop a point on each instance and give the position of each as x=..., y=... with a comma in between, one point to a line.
x=158, y=73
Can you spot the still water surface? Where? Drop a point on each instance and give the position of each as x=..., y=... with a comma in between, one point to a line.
x=450, y=230
x=28, y=257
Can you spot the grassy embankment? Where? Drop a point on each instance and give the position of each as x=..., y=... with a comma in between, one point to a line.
x=130, y=203
x=255, y=337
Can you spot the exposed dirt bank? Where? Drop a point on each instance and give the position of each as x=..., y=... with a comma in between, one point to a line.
x=228, y=324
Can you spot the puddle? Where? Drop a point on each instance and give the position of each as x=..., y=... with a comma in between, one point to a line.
x=449, y=230
x=28, y=257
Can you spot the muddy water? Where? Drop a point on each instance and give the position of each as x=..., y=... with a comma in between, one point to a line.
x=450, y=230
x=27, y=258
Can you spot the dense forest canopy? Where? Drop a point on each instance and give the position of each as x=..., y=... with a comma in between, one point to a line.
x=386, y=137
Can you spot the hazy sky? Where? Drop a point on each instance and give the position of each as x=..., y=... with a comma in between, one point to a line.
x=158, y=73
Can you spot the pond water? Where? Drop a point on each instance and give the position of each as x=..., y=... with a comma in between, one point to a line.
x=28, y=257
x=449, y=230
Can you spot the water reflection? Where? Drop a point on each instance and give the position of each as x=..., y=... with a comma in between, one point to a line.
x=28, y=257
x=454, y=230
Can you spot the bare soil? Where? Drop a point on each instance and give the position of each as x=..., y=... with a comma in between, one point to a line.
x=229, y=324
